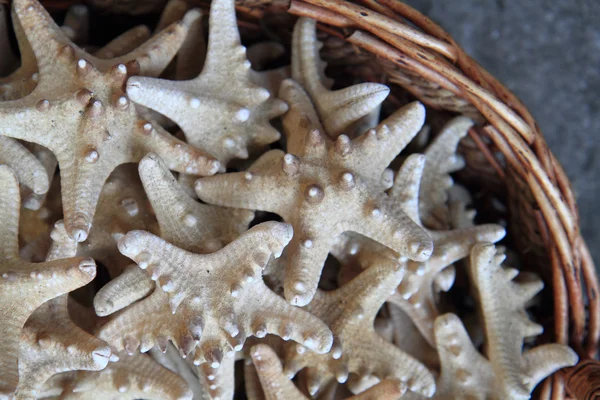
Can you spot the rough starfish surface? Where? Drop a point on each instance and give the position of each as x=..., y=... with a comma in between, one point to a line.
x=25, y=286
x=358, y=349
x=416, y=295
x=276, y=385
x=87, y=120
x=221, y=296
x=132, y=377
x=51, y=343
x=325, y=188
x=337, y=109
x=221, y=111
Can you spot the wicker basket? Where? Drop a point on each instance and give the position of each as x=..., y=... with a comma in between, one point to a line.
x=389, y=42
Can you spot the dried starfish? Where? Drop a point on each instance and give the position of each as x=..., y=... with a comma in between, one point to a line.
x=30, y=171
x=51, y=343
x=24, y=286
x=277, y=386
x=132, y=377
x=221, y=305
x=337, y=109
x=242, y=121
x=324, y=189
x=94, y=127
x=76, y=24
x=358, y=349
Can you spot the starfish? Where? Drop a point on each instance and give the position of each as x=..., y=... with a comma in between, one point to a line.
x=79, y=112
x=337, y=109
x=358, y=349
x=132, y=377
x=221, y=110
x=221, y=305
x=324, y=189
x=51, y=343
x=275, y=385
x=25, y=286
x=29, y=169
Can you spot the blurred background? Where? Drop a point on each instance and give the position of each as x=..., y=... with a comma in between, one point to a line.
x=548, y=53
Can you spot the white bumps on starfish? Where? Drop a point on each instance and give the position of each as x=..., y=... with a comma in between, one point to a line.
x=25, y=286
x=324, y=188
x=221, y=111
x=86, y=120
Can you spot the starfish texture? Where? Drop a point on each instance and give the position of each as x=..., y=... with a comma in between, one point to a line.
x=324, y=189
x=241, y=123
x=350, y=313
x=51, y=343
x=337, y=109
x=25, y=286
x=276, y=385
x=132, y=377
x=222, y=305
x=94, y=127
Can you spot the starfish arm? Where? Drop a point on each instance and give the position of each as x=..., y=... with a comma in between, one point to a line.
x=542, y=361
x=129, y=287
x=338, y=109
x=36, y=284
x=154, y=55
x=34, y=201
x=179, y=156
x=145, y=324
x=289, y=322
x=29, y=169
x=174, y=11
x=224, y=45
x=301, y=118
x=51, y=343
x=132, y=377
x=441, y=161
x=373, y=151
x=391, y=227
x=25, y=120
x=388, y=389
x=193, y=226
x=10, y=204
x=275, y=384
x=124, y=43
x=405, y=191
x=388, y=361
x=302, y=273
x=192, y=53
x=218, y=382
x=252, y=189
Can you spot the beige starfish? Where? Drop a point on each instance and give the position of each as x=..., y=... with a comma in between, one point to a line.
x=51, y=343
x=221, y=305
x=358, y=349
x=24, y=286
x=324, y=189
x=337, y=109
x=276, y=385
x=132, y=377
x=85, y=118
x=29, y=169
x=220, y=111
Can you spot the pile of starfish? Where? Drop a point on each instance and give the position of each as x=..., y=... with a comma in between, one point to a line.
x=156, y=227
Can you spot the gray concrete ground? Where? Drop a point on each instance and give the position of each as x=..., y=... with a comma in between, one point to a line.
x=548, y=53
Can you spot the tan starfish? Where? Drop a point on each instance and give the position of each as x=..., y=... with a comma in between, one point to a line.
x=241, y=123
x=275, y=385
x=324, y=188
x=79, y=111
x=25, y=286
x=358, y=349
x=51, y=343
x=337, y=109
